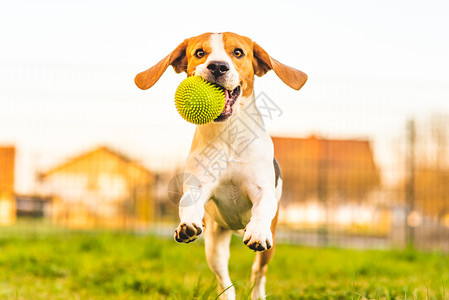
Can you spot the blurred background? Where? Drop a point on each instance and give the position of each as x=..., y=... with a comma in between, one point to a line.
x=363, y=147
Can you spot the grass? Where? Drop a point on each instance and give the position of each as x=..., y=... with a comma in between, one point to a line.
x=36, y=264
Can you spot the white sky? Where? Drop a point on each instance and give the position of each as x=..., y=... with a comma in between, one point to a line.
x=67, y=69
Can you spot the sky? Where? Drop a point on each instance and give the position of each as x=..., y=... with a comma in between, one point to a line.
x=67, y=70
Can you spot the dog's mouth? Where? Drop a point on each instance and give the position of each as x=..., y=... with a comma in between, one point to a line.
x=230, y=98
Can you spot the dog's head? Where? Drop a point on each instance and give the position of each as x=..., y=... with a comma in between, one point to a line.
x=227, y=59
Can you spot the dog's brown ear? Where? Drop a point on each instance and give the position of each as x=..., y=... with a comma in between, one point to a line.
x=262, y=63
x=177, y=59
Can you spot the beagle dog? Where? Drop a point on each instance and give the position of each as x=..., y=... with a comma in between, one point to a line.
x=239, y=184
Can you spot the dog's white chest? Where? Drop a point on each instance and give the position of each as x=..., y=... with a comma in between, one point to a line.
x=229, y=206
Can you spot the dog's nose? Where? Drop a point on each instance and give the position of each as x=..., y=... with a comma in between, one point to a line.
x=218, y=68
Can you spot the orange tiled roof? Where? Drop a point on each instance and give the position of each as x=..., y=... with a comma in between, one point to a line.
x=101, y=149
x=308, y=164
x=7, y=156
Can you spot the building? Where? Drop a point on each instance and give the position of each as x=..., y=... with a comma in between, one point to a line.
x=328, y=181
x=7, y=201
x=100, y=188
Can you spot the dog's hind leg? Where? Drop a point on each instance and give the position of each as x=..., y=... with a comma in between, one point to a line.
x=217, y=239
x=260, y=267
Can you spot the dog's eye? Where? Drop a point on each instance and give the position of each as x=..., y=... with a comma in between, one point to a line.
x=199, y=53
x=238, y=52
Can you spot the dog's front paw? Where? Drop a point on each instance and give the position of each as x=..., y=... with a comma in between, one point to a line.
x=257, y=238
x=187, y=232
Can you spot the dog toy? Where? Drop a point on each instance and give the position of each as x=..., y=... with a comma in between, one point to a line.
x=199, y=101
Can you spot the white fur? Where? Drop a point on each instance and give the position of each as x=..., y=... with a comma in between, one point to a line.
x=238, y=191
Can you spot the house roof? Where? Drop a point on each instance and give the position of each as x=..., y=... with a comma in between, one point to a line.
x=309, y=164
x=7, y=158
x=102, y=149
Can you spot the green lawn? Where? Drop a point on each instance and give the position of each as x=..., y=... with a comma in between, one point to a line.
x=54, y=264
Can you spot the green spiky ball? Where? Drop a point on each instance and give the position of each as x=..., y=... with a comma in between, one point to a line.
x=199, y=101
